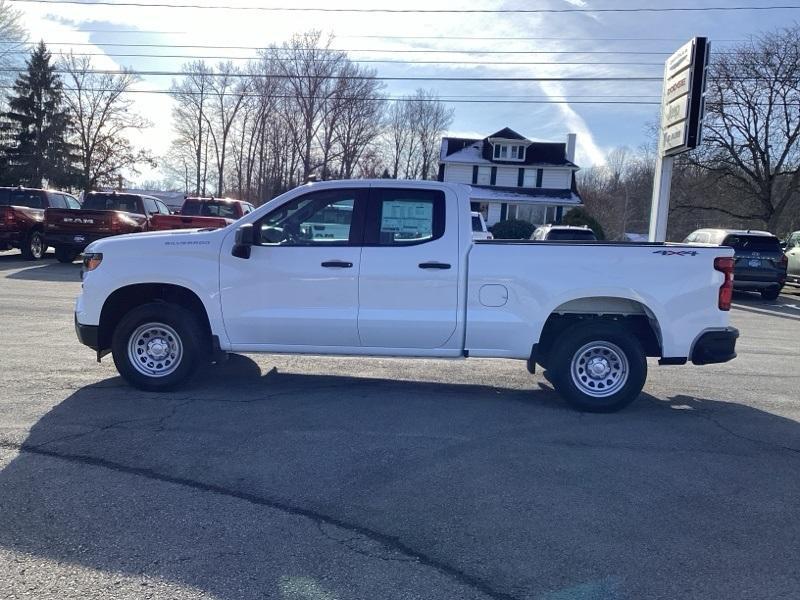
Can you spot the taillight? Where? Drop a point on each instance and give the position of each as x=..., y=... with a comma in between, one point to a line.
x=724, y=264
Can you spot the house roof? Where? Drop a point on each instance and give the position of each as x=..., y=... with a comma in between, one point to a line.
x=507, y=133
x=519, y=195
x=479, y=151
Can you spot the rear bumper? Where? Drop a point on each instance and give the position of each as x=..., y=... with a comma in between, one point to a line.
x=87, y=334
x=757, y=285
x=73, y=240
x=716, y=346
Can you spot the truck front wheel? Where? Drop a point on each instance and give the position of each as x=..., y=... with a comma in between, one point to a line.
x=598, y=367
x=65, y=254
x=158, y=346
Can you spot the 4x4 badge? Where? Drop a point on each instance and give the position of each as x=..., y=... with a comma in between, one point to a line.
x=676, y=252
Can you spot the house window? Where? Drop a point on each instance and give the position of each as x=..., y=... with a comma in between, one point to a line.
x=509, y=152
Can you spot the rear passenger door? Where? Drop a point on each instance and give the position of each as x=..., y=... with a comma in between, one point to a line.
x=408, y=284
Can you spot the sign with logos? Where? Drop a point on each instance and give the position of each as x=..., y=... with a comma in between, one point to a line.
x=683, y=99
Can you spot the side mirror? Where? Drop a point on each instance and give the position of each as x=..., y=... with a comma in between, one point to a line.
x=785, y=246
x=244, y=240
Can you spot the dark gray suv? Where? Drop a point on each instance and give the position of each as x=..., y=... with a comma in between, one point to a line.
x=760, y=262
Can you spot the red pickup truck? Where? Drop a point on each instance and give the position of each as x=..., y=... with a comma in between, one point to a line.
x=22, y=218
x=204, y=213
x=103, y=214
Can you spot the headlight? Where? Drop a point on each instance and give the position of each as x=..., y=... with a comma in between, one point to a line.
x=91, y=261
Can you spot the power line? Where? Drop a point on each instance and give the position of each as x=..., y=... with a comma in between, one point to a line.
x=640, y=9
x=353, y=77
x=455, y=100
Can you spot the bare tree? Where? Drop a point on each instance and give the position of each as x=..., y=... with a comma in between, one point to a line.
x=752, y=126
x=191, y=97
x=432, y=120
x=103, y=117
x=228, y=91
x=12, y=40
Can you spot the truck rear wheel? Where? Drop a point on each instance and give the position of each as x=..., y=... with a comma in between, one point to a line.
x=33, y=248
x=158, y=346
x=598, y=367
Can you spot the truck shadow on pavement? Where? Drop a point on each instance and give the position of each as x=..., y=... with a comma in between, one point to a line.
x=282, y=485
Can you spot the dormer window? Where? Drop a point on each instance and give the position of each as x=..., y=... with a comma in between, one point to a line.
x=515, y=152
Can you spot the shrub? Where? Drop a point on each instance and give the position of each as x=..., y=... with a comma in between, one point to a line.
x=579, y=217
x=512, y=229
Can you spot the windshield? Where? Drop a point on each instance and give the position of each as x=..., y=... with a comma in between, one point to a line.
x=123, y=202
x=571, y=234
x=753, y=243
x=209, y=208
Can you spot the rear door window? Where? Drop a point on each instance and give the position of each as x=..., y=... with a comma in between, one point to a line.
x=575, y=235
x=57, y=200
x=402, y=217
x=72, y=202
x=476, y=224
x=27, y=198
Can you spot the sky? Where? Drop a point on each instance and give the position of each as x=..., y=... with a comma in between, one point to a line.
x=562, y=39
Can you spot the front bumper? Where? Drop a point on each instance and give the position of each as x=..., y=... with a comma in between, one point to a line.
x=715, y=346
x=87, y=334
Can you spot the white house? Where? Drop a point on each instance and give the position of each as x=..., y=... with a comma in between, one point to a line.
x=512, y=176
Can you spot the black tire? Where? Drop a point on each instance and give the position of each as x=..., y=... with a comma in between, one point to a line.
x=771, y=293
x=607, y=395
x=177, y=322
x=65, y=254
x=34, y=247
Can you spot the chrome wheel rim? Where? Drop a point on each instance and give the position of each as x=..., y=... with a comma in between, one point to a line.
x=36, y=245
x=599, y=369
x=155, y=349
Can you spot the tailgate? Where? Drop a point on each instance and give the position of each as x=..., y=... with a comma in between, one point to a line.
x=161, y=222
x=69, y=221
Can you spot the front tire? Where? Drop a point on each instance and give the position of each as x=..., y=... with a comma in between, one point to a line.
x=771, y=294
x=34, y=247
x=598, y=367
x=158, y=346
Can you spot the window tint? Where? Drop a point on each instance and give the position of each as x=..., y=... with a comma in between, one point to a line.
x=57, y=200
x=123, y=202
x=209, y=208
x=72, y=202
x=162, y=208
x=574, y=234
x=402, y=217
x=30, y=199
x=4, y=196
x=316, y=218
x=476, y=224
x=754, y=243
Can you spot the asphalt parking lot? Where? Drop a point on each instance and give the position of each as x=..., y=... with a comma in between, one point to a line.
x=310, y=478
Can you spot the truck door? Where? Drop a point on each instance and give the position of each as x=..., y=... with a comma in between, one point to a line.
x=300, y=285
x=408, y=287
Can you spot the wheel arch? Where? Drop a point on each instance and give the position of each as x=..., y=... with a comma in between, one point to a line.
x=123, y=299
x=631, y=314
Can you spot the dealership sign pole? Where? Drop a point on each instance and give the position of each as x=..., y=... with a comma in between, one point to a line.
x=680, y=128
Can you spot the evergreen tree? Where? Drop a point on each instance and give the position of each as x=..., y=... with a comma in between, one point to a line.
x=37, y=126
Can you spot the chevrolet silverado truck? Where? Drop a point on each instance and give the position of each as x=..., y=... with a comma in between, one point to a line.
x=203, y=212
x=103, y=214
x=397, y=273
x=22, y=218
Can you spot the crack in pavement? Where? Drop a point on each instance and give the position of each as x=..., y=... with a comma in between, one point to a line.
x=389, y=541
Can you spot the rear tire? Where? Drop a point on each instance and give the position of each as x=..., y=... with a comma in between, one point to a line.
x=64, y=254
x=158, y=346
x=34, y=247
x=771, y=294
x=598, y=367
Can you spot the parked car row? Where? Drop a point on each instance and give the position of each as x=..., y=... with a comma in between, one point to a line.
x=34, y=219
x=760, y=262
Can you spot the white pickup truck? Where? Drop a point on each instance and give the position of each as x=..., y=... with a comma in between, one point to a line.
x=390, y=269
